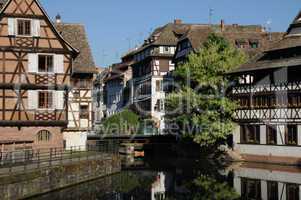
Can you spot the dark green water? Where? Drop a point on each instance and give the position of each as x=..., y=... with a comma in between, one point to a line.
x=177, y=179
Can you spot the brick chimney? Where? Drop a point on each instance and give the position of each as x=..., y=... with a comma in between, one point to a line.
x=178, y=21
x=222, y=25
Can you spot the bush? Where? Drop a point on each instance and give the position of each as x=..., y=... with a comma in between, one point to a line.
x=123, y=123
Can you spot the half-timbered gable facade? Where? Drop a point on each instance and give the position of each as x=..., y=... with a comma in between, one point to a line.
x=80, y=106
x=268, y=92
x=36, y=64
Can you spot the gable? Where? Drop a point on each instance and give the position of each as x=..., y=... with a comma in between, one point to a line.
x=32, y=10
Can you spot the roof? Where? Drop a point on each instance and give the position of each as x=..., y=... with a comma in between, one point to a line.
x=284, y=53
x=167, y=35
x=198, y=34
x=76, y=35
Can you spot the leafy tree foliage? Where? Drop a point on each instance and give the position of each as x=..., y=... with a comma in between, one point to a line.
x=199, y=107
x=123, y=123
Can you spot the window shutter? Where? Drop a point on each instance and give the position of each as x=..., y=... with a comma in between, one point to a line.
x=32, y=62
x=59, y=100
x=32, y=100
x=59, y=64
x=11, y=26
x=36, y=28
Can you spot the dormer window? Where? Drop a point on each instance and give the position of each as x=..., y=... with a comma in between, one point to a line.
x=24, y=27
x=241, y=44
x=246, y=79
x=254, y=44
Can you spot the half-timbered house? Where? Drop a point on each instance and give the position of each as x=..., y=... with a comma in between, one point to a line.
x=80, y=105
x=35, y=68
x=151, y=69
x=268, y=92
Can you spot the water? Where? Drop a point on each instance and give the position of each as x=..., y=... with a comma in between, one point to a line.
x=179, y=179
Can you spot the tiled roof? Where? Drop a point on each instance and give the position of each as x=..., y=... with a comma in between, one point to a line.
x=198, y=34
x=289, y=48
x=76, y=35
x=167, y=35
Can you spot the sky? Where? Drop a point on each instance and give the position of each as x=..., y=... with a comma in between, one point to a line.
x=115, y=26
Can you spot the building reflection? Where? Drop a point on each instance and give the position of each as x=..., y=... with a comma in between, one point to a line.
x=267, y=182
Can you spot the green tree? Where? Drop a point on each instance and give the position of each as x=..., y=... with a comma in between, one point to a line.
x=199, y=107
x=123, y=123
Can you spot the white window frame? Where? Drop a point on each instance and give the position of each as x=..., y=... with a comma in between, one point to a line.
x=17, y=30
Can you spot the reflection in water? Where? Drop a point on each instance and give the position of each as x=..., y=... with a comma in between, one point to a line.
x=267, y=182
x=169, y=179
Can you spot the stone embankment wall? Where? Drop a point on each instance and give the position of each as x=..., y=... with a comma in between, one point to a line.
x=46, y=180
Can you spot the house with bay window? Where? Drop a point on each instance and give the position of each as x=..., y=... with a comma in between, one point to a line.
x=38, y=70
x=268, y=92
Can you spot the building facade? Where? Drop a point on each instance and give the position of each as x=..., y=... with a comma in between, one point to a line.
x=116, y=87
x=80, y=101
x=268, y=93
x=36, y=65
x=151, y=72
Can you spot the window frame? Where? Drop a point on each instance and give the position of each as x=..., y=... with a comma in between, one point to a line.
x=287, y=137
x=44, y=136
x=272, y=190
x=17, y=27
x=246, y=130
x=271, y=129
x=296, y=191
x=247, y=190
x=84, y=114
x=46, y=63
x=52, y=100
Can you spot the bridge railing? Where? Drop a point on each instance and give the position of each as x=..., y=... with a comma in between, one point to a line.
x=20, y=161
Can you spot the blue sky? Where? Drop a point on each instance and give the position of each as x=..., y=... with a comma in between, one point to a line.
x=114, y=26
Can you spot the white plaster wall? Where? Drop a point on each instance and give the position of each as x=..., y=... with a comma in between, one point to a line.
x=263, y=134
x=263, y=150
x=236, y=135
x=264, y=189
x=75, y=139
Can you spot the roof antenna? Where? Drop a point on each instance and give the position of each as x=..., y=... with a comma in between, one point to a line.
x=211, y=10
x=269, y=29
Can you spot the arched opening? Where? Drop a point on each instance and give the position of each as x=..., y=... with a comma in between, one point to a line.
x=43, y=136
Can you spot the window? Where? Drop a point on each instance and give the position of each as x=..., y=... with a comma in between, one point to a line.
x=254, y=44
x=272, y=135
x=44, y=136
x=250, y=134
x=272, y=190
x=291, y=135
x=45, y=100
x=292, y=192
x=250, y=189
x=241, y=44
x=159, y=107
x=46, y=63
x=24, y=27
x=159, y=86
x=84, y=112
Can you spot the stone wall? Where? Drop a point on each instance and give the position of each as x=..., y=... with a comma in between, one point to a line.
x=45, y=180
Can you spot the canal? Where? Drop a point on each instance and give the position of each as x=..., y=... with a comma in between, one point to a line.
x=185, y=179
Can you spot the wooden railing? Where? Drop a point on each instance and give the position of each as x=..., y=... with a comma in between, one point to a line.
x=245, y=89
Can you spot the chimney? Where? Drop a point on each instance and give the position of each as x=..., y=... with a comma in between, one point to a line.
x=222, y=25
x=177, y=21
x=58, y=19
